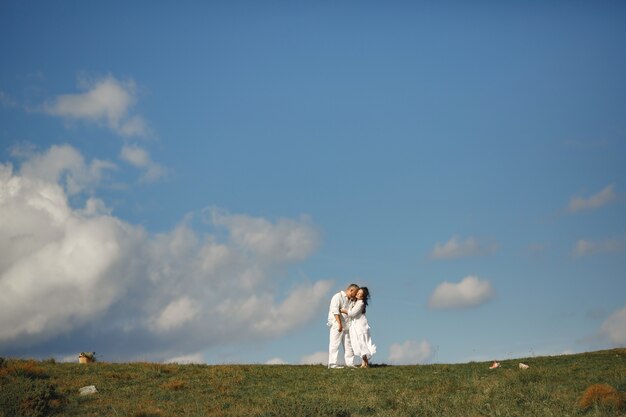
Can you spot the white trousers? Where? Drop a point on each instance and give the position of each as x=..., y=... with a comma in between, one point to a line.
x=336, y=340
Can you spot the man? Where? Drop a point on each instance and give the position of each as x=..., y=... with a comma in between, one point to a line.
x=338, y=324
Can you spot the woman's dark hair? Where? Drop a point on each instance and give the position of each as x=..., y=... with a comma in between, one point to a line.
x=366, y=297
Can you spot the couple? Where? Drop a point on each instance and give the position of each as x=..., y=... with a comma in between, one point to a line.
x=349, y=327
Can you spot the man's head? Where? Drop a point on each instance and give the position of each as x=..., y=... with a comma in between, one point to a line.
x=351, y=290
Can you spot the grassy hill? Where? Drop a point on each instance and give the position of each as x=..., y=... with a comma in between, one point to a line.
x=552, y=386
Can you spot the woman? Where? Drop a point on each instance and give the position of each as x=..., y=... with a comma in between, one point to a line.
x=359, y=328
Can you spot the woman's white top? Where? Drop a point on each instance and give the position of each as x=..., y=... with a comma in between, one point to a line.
x=360, y=331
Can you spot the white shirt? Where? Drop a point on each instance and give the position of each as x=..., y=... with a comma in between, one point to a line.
x=339, y=301
x=356, y=310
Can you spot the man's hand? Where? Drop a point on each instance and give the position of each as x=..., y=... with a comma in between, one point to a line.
x=340, y=329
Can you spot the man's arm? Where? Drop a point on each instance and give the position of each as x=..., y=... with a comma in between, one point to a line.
x=335, y=306
x=338, y=318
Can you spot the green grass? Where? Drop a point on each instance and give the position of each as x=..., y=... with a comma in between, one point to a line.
x=553, y=386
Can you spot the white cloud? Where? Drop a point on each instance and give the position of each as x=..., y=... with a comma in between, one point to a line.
x=94, y=207
x=287, y=240
x=58, y=270
x=276, y=361
x=175, y=314
x=290, y=312
x=455, y=248
x=614, y=328
x=194, y=358
x=66, y=271
x=470, y=292
x=410, y=352
x=602, y=198
x=64, y=164
x=316, y=358
x=134, y=126
x=107, y=102
x=588, y=247
x=140, y=158
x=68, y=358
x=136, y=156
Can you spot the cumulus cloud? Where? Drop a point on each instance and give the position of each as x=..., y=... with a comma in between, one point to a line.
x=316, y=358
x=600, y=199
x=291, y=240
x=470, y=292
x=410, y=352
x=65, y=165
x=177, y=313
x=614, y=328
x=80, y=274
x=276, y=361
x=588, y=247
x=286, y=315
x=58, y=269
x=107, y=102
x=194, y=358
x=140, y=158
x=456, y=248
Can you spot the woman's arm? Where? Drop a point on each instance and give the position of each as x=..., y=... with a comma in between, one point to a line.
x=355, y=309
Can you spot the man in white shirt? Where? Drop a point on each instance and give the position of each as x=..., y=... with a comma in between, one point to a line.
x=339, y=325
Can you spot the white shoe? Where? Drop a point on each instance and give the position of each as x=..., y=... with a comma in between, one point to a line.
x=335, y=367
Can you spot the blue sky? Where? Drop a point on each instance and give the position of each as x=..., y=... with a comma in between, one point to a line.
x=193, y=182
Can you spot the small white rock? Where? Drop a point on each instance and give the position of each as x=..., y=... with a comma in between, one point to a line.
x=88, y=390
x=523, y=366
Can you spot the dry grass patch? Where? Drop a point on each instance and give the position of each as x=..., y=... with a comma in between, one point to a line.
x=27, y=369
x=602, y=395
x=26, y=390
x=149, y=413
x=174, y=385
